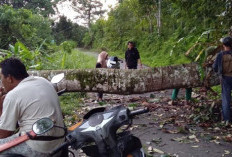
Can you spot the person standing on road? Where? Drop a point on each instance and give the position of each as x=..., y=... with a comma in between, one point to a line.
x=223, y=66
x=101, y=63
x=132, y=57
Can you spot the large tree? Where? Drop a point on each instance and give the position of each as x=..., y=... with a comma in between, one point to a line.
x=118, y=81
x=88, y=10
x=65, y=29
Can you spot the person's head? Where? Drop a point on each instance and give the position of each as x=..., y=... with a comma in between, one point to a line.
x=12, y=72
x=227, y=42
x=104, y=55
x=130, y=45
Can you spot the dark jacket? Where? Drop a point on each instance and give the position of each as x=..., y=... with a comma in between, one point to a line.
x=218, y=64
x=131, y=57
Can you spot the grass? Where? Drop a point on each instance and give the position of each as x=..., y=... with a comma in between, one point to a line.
x=70, y=102
x=133, y=105
x=73, y=60
x=156, y=60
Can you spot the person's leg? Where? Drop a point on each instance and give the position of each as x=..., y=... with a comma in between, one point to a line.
x=188, y=94
x=226, y=98
x=175, y=93
x=174, y=96
x=22, y=149
x=132, y=67
x=100, y=96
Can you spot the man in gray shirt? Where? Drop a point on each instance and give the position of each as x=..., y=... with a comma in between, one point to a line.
x=26, y=100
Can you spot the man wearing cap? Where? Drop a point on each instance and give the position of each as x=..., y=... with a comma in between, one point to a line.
x=223, y=66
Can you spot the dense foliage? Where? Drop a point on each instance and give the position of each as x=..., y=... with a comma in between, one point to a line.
x=184, y=25
x=65, y=29
x=21, y=24
x=163, y=30
x=43, y=7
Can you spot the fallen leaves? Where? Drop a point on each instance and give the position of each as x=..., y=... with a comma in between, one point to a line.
x=186, y=139
x=156, y=141
x=152, y=150
x=196, y=146
x=227, y=138
x=227, y=152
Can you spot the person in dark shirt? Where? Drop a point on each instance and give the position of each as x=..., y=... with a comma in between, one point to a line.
x=132, y=57
x=223, y=66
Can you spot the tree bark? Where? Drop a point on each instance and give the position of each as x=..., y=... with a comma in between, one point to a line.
x=119, y=81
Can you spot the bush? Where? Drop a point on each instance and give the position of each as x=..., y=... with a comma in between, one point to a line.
x=67, y=46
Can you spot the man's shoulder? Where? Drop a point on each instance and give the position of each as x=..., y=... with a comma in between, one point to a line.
x=135, y=49
x=226, y=53
x=31, y=79
x=220, y=54
x=27, y=85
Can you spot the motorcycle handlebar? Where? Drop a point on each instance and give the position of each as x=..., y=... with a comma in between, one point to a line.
x=137, y=112
x=65, y=144
x=61, y=92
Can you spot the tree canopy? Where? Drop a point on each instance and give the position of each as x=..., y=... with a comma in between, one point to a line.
x=65, y=29
x=88, y=10
x=183, y=24
x=43, y=7
x=23, y=25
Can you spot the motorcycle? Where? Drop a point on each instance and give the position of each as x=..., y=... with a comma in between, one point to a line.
x=113, y=63
x=98, y=134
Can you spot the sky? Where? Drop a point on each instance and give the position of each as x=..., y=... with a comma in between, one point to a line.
x=67, y=10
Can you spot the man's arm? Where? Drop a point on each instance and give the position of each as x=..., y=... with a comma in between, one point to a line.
x=126, y=60
x=217, y=62
x=139, y=60
x=2, y=97
x=5, y=133
x=140, y=63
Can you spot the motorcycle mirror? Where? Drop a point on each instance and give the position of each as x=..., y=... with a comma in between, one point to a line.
x=43, y=125
x=57, y=78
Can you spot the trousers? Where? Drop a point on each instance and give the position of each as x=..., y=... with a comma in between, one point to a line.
x=226, y=83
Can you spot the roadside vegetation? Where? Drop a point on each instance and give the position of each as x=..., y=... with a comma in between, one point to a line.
x=163, y=31
x=166, y=33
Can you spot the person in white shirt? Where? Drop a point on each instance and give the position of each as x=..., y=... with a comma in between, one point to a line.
x=24, y=100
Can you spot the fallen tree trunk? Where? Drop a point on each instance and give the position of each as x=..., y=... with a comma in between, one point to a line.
x=119, y=81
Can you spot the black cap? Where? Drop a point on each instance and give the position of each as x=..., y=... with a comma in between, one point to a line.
x=227, y=41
